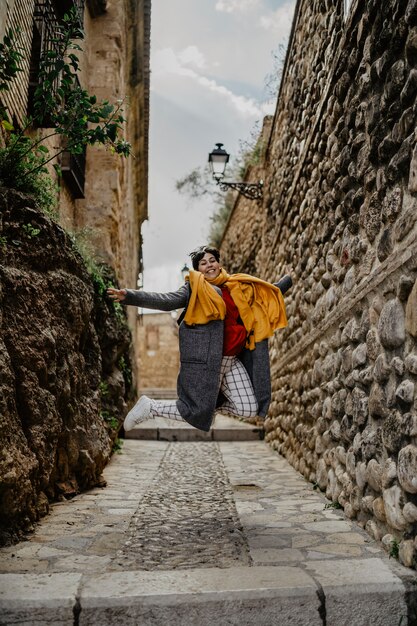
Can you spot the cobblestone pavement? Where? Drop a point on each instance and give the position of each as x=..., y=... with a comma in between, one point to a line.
x=187, y=518
x=196, y=533
x=183, y=505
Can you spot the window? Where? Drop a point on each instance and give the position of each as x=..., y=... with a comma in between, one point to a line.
x=63, y=6
x=73, y=172
x=152, y=338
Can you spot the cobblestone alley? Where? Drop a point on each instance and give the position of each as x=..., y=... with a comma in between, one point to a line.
x=202, y=532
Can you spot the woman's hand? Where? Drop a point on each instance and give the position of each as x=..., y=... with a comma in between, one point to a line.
x=118, y=295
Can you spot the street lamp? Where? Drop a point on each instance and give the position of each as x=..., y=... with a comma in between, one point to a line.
x=218, y=159
x=184, y=271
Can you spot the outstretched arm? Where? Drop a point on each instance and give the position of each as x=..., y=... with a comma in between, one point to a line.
x=151, y=300
x=284, y=283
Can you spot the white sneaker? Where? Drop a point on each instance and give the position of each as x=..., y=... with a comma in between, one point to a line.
x=140, y=412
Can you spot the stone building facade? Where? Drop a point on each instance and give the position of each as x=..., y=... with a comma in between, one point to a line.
x=158, y=355
x=100, y=194
x=340, y=209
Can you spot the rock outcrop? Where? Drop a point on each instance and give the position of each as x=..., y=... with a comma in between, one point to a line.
x=64, y=363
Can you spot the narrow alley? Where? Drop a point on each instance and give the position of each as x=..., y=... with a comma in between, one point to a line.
x=189, y=532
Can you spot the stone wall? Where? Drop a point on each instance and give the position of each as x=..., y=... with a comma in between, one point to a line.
x=340, y=208
x=158, y=354
x=64, y=362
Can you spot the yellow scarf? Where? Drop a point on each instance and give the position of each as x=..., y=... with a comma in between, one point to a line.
x=260, y=304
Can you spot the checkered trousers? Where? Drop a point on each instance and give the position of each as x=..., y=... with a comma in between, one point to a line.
x=235, y=385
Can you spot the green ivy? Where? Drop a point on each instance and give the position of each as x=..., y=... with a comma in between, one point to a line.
x=117, y=446
x=30, y=230
x=126, y=371
x=104, y=388
x=394, y=549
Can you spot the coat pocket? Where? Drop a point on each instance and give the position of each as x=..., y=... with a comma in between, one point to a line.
x=194, y=345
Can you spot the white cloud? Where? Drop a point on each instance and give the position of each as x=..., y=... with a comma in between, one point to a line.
x=167, y=61
x=279, y=21
x=192, y=56
x=229, y=6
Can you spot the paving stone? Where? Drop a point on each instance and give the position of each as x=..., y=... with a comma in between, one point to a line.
x=182, y=515
x=188, y=510
x=338, y=526
x=38, y=600
x=274, y=555
x=340, y=550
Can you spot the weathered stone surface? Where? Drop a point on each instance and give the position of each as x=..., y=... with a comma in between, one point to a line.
x=407, y=552
x=407, y=468
x=360, y=405
x=374, y=475
x=389, y=473
x=391, y=327
x=56, y=350
x=397, y=365
x=392, y=434
x=410, y=512
x=359, y=355
x=393, y=505
x=412, y=179
x=379, y=509
x=372, y=344
x=411, y=364
x=405, y=392
x=377, y=403
x=409, y=424
x=404, y=288
x=411, y=312
x=381, y=369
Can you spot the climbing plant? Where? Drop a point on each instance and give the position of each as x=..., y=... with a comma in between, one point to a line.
x=61, y=106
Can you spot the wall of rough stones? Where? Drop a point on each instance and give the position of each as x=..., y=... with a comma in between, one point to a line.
x=158, y=354
x=340, y=207
x=64, y=363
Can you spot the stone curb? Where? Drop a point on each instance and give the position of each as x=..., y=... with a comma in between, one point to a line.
x=324, y=594
x=39, y=599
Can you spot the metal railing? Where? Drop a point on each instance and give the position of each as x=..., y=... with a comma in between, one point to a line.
x=47, y=17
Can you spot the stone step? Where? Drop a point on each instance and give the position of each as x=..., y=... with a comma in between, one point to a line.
x=159, y=393
x=224, y=429
x=193, y=434
x=329, y=593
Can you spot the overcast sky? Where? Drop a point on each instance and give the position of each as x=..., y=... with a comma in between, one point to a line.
x=209, y=60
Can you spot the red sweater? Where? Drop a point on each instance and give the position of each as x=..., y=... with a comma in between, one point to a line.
x=234, y=331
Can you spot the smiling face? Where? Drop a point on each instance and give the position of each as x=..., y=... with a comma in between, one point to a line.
x=209, y=266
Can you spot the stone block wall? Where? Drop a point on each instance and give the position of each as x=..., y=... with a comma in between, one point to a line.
x=340, y=208
x=158, y=353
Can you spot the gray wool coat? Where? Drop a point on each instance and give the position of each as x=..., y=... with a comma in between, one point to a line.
x=201, y=351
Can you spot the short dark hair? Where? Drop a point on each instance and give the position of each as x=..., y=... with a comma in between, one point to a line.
x=197, y=254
